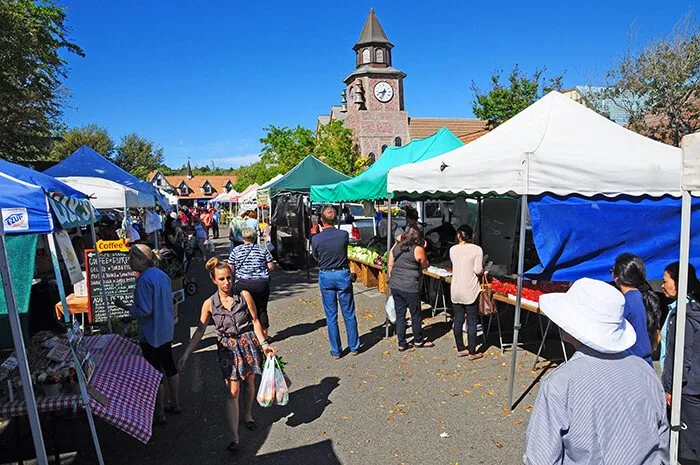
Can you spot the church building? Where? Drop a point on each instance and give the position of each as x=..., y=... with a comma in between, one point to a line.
x=373, y=106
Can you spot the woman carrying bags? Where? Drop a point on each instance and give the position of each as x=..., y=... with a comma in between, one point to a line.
x=239, y=335
x=467, y=264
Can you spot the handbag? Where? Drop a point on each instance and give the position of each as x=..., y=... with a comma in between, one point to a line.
x=487, y=304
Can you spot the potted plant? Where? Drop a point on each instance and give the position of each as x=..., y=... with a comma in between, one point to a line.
x=50, y=382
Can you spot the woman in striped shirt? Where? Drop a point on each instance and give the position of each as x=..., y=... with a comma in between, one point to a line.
x=251, y=264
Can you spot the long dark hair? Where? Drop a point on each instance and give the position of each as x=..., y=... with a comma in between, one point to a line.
x=465, y=233
x=673, y=271
x=629, y=270
x=411, y=236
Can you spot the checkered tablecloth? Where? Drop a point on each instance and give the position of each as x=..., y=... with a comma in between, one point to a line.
x=124, y=377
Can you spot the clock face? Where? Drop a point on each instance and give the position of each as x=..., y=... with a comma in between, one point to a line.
x=383, y=91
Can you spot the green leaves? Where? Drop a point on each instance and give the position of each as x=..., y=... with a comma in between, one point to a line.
x=92, y=135
x=503, y=102
x=32, y=37
x=138, y=155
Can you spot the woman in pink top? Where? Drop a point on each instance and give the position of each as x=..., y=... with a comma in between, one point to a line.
x=467, y=264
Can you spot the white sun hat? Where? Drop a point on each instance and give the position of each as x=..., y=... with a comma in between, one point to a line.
x=592, y=312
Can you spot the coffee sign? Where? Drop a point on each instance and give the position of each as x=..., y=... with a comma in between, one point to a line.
x=118, y=279
x=112, y=246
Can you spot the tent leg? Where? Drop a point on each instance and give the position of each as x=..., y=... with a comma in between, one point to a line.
x=518, y=297
x=100, y=272
x=680, y=326
x=82, y=381
x=16, y=328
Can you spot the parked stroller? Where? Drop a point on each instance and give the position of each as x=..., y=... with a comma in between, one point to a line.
x=178, y=267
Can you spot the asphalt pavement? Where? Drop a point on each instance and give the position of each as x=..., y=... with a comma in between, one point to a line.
x=427, y=406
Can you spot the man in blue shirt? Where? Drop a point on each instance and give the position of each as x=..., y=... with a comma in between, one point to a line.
x=153, y=307
x=330, y=248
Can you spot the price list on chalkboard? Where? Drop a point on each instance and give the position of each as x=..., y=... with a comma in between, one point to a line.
x=119, y=281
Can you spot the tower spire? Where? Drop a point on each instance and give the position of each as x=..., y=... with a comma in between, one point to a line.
x=372, y=33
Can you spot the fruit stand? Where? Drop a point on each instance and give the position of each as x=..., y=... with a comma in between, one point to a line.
x=369, y=266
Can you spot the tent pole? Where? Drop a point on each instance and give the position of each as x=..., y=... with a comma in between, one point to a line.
x=388, y=225
x=23, y=364
x=518, y=297
x=66, y=314
x=478, y=218
x=680, y=326
x=100, y=271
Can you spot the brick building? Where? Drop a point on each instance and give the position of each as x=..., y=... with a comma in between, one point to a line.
x=373, y=100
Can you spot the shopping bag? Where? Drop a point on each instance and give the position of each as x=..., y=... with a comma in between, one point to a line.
x=281, y=389
x=391, y=310
x=487, y=304
x=266, y=392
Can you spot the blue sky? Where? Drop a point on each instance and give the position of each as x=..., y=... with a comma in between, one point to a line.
x=203, y=79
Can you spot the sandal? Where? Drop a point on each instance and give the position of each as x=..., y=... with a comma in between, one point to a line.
x=424, y=343
x=233, y=446
x=251, y=425
x=405, y=348
x=174, y=409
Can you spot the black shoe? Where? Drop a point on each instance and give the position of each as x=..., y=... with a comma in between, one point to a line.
x=233, y=446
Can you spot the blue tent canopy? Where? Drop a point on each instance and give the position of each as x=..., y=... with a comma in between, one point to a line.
x=88, y=163
x=581, y=237
x=25, y=200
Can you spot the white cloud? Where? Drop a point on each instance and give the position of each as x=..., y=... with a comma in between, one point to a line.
x=223, y=153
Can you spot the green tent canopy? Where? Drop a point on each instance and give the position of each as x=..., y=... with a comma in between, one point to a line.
x=371, y=184
x=308, y=172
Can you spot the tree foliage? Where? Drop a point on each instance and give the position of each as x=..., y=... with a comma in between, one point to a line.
x=658, y=84
x=92, y=135
x=286, y=147
x=138, y=156
x=335, y=147
x=503, y=101
x=257, y=172
x=33, y=36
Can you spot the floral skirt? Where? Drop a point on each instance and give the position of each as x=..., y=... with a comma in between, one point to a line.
x=239, y=356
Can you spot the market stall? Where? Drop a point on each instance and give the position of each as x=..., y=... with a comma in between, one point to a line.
x=103, y=374
x=690, y=185
x=370, y=185
x=32, y=203
x=288, y=218
x=554, y=147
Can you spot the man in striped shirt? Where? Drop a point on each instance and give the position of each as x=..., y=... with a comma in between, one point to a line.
x=604, y=406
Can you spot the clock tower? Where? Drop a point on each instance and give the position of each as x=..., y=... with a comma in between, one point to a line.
x=375, y=109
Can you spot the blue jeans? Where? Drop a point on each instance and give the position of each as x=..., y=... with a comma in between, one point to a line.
x=336, y=286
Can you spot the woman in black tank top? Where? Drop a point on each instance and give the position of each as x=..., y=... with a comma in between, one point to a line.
x=407, y=260
x=239, y=333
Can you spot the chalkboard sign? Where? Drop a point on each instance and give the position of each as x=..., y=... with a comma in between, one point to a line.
x=119, y=281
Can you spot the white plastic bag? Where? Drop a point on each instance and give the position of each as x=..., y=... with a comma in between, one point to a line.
x=281, y=389
x=391, y=310
x=266, y=392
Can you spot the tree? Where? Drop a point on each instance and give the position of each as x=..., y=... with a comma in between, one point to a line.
x=285, y=147
x=92, y=135
x=335, y=147
x=503, y=102
x=658, y=84
x=33, y=36
x=257, y=172
x=138, y=156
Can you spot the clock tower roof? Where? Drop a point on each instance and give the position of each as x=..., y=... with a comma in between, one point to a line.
x=372, y=33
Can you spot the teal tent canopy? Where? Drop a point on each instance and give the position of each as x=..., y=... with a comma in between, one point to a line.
x=308, y=172
x=371, y=184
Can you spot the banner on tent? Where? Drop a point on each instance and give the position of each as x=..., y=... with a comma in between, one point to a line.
x=263, y=197
x=15, y=219
x=70, y=259
x=70, y=211
x=119, y=280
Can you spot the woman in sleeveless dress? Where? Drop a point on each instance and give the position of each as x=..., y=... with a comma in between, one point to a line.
x=407, y=260
x=239, y=348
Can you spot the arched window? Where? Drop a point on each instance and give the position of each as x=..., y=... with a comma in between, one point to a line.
x=397, y=142
x=380, y=55
x=366, y=56
x=372, y=157
x=384, y=148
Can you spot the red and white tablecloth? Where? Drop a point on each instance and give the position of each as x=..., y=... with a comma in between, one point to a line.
x=123, y=376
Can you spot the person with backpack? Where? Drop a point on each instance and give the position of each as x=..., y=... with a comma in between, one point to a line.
x=642, y=304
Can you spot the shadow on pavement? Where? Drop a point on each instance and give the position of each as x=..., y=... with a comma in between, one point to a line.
x=321, y=452
x=301, y=329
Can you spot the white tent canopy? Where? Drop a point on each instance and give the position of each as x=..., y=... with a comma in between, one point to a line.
x=690, y=172
x=556, y=145
x=106, y=194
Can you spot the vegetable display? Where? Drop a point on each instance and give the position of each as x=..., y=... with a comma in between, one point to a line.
x=367, y=255
x=532, y=290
